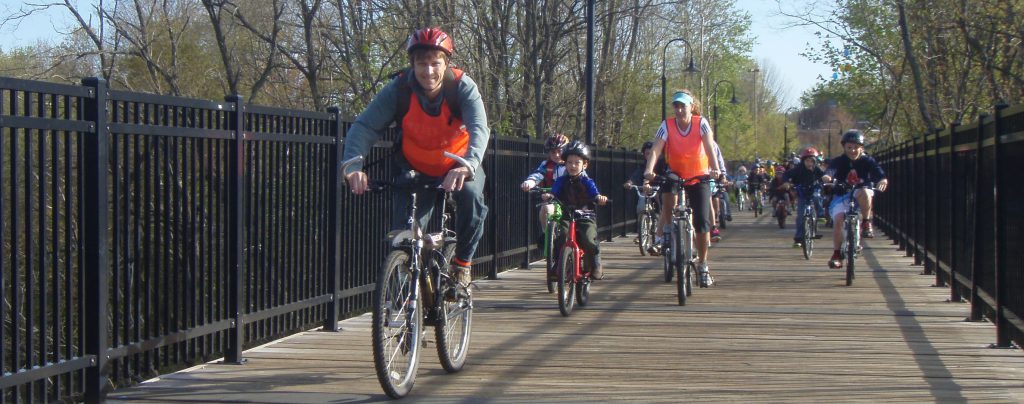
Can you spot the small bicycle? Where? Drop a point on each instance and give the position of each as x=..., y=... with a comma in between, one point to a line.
x=647, y=219
x=416, y=275
x=741, y=195
x=810, y=221
x=573, y=279
x=551, y=233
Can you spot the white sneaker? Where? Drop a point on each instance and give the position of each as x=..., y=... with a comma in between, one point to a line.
x=706, y=279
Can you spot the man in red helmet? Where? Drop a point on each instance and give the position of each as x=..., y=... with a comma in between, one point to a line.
x=807, y=176
x=438, y=109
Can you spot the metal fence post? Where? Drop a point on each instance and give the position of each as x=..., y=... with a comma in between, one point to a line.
x=976, y=304
x=493, y=273
x=954, y=292
x=95, y=242
x=529, y=209
x=334, y=226
x=236, y=231
x=1002, y=325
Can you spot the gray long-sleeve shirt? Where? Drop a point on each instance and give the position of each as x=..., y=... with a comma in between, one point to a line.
x=378, y=116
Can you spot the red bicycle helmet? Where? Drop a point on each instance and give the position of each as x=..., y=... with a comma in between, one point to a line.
x=432, y=38
x=809, y=152
x=555, y=142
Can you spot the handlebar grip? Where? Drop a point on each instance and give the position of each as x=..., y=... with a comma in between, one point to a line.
x=463, y=162
x=347, y=163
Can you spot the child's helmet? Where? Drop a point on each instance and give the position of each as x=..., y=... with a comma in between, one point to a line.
x=809, y=152
x=578, y=148
x=853, y=135
x=555, y=142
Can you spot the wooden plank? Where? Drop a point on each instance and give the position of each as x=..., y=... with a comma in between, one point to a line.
x=775, y=327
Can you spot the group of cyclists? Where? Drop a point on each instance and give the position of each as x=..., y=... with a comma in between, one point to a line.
x=440, y=113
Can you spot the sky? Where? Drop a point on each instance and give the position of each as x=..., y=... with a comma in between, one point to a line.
x=774, y=45
x=781, y=47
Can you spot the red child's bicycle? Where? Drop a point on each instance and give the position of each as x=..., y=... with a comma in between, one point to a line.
x=573, y=278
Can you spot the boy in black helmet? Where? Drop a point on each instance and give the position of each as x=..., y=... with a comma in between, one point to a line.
x=860, y=171
x=578, y=191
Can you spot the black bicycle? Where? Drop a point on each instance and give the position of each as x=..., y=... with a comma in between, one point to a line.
x=678, y=250
x=807, y=196
x=646, y=219
x=416, y=286
x=850, y=247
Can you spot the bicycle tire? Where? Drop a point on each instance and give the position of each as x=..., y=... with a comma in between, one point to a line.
x=583, y=292
x=780, y=214
x=808, y=236
x=566, y=283
x=668, y=253
x=644, y=234
x=453, y=327
x=550, y=234
x=396, y=356
x=686, y=246
x=684, y=283
x=851, y=251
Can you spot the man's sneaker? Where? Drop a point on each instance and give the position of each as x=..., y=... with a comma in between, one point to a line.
x=728, y=217
x=797, y=244
x=866, y=229
x=836, y=262
x=716, y=235
x=462, y=274
x=705, y=275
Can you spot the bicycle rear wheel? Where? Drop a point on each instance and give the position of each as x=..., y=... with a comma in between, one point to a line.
x=397, y=326
x=566, y=281
x=551, y=260
x=454, y=320
x=808, y=240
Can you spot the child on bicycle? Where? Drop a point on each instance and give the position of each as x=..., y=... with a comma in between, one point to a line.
x=546, y=173
x=857, y=170
x=578, y=191
x=806, y=175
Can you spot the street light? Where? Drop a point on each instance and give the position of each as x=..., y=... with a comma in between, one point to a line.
x=829, y=134
x=689, y=69
x=785, y=129
x=756, y=101
x=714, y=102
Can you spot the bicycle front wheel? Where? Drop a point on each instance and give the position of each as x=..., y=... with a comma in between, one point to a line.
x=851, y=250
x=454, y=321
x=549, y=253
x=668, y=253
x=566, y=280
x=644, y=234
x=808, y=236
x=397, y=326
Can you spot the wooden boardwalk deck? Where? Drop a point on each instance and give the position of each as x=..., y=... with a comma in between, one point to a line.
x=774, y=328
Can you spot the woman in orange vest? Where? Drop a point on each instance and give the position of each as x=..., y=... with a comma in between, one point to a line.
x=686, y=140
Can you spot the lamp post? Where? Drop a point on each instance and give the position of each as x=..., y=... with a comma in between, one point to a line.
x=689, y=69
x=785, y=129
x=714, y=102
x=756, y=101
x=829, y=134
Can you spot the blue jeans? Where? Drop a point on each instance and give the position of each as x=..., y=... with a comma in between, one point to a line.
x=469, y=205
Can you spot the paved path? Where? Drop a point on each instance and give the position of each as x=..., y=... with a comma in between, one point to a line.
x=774, y=328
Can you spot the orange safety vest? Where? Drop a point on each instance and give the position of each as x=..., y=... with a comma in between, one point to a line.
x=425, y=138
x=685, y=154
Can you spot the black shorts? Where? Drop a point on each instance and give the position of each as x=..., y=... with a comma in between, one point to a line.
x=699, y=195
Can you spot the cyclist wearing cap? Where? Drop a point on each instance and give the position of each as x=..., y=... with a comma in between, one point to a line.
x=546, y=173
x=429, y=128
x=861, y=171
x=686, y=140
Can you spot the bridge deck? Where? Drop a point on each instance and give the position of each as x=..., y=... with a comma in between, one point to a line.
x=774, y=328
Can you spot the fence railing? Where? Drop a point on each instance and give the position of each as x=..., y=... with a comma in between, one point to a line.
x=140, y=234
x=949, y=206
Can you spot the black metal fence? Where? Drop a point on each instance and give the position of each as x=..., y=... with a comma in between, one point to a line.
x=140, y=234
x=949, y=206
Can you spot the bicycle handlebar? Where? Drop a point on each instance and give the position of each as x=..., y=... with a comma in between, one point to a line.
x=463, y=162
